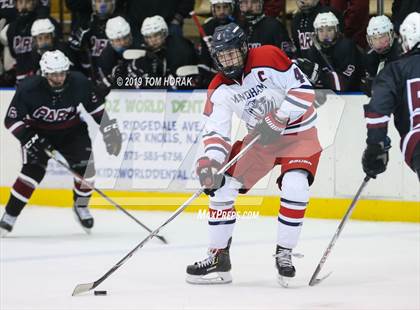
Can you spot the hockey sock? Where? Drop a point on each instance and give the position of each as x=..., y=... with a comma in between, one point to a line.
x=82, y=193
x=294, y=199
x=22, y=189
x=222, y=214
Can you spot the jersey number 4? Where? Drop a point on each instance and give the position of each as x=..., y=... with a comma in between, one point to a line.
x=299, y=76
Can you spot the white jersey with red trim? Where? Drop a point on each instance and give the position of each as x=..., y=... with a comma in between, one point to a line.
x=270, y=82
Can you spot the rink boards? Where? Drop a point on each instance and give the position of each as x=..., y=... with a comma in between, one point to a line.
x=155, y=170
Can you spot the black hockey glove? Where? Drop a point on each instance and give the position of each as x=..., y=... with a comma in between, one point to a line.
x=112, y=137
x=311, y=69
x=366, y=85
x=207, y=174
x=35, y=147
x=269, y=128
x=76, y=38
x=375, y=158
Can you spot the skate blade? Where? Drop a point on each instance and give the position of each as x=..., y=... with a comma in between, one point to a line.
x=284, y=281
x=3, y=232
x=211, y=278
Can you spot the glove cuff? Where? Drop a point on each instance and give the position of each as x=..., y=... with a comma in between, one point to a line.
x=205, y=162
x=274, y=122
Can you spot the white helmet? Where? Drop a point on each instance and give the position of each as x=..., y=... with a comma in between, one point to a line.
x=410, y=31
x=327, y=19
x=54, y=61
x=154, y=24
x=116, y=28
x=212, y=2
x=42, y=26
x=379, y=25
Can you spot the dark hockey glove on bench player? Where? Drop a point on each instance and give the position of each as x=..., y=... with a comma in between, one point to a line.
x=111, y=135
x=35, y=145
x=270, y=127
x=375, y=158
x=207, y=174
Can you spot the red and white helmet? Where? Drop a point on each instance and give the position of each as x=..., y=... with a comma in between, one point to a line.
x=410, y=31
x=116, y=28
x=378, y=27
x=54, y=61
x=41, y=26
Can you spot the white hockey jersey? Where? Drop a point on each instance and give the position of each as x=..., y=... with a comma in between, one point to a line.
x=270, y=82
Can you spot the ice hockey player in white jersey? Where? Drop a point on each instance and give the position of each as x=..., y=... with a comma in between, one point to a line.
x=275, y=100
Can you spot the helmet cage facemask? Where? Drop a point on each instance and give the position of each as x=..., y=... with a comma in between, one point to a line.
x=327, y=43
x=370, y=40
x=234, y=70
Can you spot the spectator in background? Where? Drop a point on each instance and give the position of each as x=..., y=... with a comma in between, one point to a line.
x=9, y=12
x=303, y=24
x=19, y=37
x=88, y=43
x=400, y=10
x=222, y=11
x=334, y=62
x=356, y=18
x=384, y=48
x=263, y=30
x=174, y=12
x=273, y=8
x=165, y=53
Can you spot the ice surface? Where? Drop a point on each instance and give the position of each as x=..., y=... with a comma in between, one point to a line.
x=375, y=265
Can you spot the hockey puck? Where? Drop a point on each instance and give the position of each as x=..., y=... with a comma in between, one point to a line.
x=100, y=293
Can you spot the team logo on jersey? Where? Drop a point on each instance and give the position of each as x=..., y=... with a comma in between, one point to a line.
x=98, y=45
x=305, y=40
x=12, y=113
x=249, y=93
x=254, y=44
x=259, y=107
x=22, y=45
x=52, y=115
x=7, y=4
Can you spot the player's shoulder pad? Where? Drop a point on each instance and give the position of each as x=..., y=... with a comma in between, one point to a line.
x=30, y=83
x=218, y=80
x=78, y=79
x=268, y=56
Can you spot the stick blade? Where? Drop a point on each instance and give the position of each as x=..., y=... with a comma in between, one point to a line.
x=83, y=288
x=314, y=281
x=133, y=54
x=161, y=238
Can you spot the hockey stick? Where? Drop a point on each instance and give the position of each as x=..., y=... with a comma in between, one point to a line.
x=82, y=288
x=199, y=27
x=101, y=193
x=134, y=54
x=319, y=49
x=314, y=280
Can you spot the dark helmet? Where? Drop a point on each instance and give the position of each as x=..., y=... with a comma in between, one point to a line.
x=229, y=38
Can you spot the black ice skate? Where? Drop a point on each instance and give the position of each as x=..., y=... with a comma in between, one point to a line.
x=215, y=269
x=84, y=217
x=284, y=265
x=6, y=224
